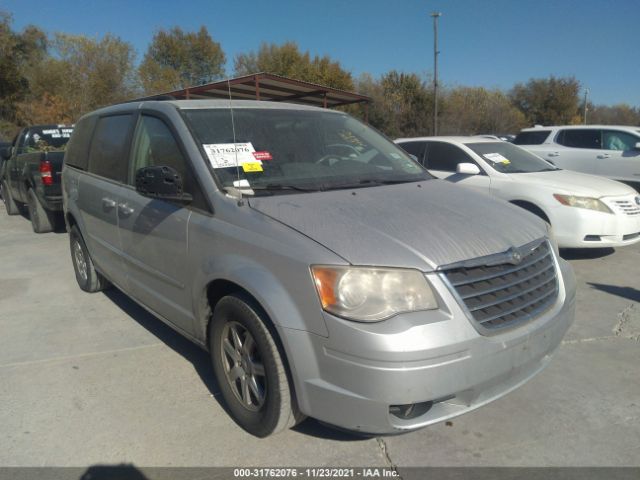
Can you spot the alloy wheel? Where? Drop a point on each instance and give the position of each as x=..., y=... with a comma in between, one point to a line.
x=243, y=367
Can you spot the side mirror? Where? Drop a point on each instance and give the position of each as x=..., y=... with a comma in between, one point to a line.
x=5, y=153
x=413, y=157
x=161, y=182
x=467, y=169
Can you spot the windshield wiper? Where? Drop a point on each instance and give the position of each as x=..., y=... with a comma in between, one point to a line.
x=368, y=183
x=280, y=186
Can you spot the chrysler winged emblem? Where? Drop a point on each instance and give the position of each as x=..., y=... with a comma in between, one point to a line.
x=514, y=256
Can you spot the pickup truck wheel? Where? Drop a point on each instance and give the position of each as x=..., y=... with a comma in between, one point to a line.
x=9, y=202
x=249, y=368
x=41, y=219
x=87, y=277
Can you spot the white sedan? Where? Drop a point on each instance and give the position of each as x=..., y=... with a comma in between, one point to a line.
x=584, y=210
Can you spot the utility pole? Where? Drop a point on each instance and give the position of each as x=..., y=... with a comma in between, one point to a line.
x=586, y=93
x=435, y=16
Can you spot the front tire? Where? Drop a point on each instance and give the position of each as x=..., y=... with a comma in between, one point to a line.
x=87, y=277
x=249, y=368
x=9, y=202
x=41, y=219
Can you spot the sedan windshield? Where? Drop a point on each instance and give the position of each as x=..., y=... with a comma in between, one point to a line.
x=508, y=158
x=288, y=151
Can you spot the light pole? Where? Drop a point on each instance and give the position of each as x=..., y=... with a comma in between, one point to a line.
x=435, y=16
x=586, y=93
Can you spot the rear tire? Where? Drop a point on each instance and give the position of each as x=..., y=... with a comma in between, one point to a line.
x=41, y=219
x=249, y=368
x=87, y=277
x=9, y=202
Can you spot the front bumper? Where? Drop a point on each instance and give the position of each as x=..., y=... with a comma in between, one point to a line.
x=352, y=378
x=581, y=228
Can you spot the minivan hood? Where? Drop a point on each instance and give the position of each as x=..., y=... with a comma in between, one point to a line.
x=421, y=225
x=576, y=183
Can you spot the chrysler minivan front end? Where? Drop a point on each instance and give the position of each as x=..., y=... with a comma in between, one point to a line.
x=462, y=337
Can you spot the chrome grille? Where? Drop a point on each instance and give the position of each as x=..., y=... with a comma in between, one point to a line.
x=504, y=294
x=627, y=207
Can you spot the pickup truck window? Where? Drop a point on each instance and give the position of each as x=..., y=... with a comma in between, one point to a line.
x=47, y=138
x=109, y=147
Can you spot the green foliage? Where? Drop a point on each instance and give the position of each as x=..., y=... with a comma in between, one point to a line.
x=287, y=60
x=176, y=59
x=402, y=104
x=548, y=101
x=17, y=52
x=476, y=110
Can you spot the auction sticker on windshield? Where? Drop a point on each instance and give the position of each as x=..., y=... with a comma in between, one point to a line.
x=225, y=155
x=496, y=158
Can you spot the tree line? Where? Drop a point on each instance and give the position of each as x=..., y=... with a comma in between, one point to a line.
x=57, y=78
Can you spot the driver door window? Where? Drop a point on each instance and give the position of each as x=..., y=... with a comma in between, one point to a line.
x=155, y=145
x=444, y=157
x=442, y=161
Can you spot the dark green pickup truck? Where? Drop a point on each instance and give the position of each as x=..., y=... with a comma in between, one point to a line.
x=31, y=173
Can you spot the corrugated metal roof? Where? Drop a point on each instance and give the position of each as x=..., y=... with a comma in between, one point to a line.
x=267, y=86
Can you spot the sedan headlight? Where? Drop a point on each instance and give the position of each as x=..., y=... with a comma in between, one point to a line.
x=369, y=294
x=582, y=202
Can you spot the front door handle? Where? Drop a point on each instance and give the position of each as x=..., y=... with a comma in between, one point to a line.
x=125, y=210
x=604, y=155
x=553, y=154
x=108, y=204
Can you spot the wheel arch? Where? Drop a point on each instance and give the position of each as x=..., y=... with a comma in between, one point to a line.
x=531, y=208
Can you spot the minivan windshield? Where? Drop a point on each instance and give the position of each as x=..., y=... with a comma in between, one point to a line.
x=280, y=150
x=508, y=158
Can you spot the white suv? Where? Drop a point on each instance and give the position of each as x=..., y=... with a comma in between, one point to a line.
x=607, y=150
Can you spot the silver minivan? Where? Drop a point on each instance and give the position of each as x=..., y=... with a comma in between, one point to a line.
x=326, y=272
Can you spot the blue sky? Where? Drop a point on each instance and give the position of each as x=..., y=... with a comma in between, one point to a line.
x=490, y=43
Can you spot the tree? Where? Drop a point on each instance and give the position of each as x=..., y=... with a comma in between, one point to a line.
x=83, y=74
x=548, y=101
x=402, y=104
x=176, y=59
x=17, y=52
x=287, y=60
x=621, y=114
x=475, y=110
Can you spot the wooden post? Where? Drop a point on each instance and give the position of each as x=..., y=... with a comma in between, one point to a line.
x=256, y=81
x=324, y=100
x=188, y=96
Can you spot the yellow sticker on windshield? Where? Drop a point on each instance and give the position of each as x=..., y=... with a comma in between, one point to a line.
x=252, y=166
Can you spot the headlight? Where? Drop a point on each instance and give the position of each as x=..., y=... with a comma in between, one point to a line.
x=582, y=202
x=370, y=294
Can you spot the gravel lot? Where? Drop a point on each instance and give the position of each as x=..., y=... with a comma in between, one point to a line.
x=94, y=379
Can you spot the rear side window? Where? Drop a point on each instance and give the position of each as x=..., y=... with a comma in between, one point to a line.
x=580, y=138
x=77, y=154
x=536, y=137
x=414, y=148
x=110, y=146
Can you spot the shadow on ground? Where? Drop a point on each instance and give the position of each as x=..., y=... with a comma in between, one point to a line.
x=202, y=363
x=190, y=351
x=629, y=293
x=585, y=253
